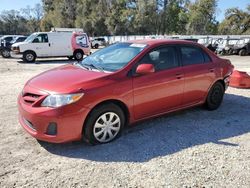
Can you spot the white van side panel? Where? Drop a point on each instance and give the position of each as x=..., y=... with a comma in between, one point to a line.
x=60, y=44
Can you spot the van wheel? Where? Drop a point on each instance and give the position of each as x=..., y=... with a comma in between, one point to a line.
x=104, y=124
x=96, y=46
x=6, y=53
x=78, y=55
x=29, y=56
x=242, y=52
x=215, y=96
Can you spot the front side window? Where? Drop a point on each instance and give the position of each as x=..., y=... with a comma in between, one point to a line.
x=192, y=55
x=41, y=38
x=162, y=58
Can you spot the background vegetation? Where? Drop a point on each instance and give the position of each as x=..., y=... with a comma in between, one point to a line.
x=127, y=17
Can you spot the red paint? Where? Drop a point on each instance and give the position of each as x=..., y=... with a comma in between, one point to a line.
x=240, y=79
x=144, y=96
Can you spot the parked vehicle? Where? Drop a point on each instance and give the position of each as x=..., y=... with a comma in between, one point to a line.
x=120, y=85
x=53, y=44
x=242, y=47
x=210, y=43
x=97, y=42
x=226, y=46
x=6, y=48
x=4, y=40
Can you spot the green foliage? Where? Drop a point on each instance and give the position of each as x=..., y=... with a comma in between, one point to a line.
x=127, y=17
x=236, y=22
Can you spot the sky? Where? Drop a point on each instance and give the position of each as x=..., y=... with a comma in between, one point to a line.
x=222, y=5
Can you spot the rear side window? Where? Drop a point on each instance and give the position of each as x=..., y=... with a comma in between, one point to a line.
x=193, y=55
x=162, y=58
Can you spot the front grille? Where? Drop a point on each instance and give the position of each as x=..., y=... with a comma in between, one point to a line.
x=31, y=98
x=29, y=124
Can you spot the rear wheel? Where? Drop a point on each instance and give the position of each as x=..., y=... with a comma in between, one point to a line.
x=104, y=124
x=29, y=56
x=242, y=52
x=215, y=96
x=78, y=55
x=96, y=46
x=6, y=53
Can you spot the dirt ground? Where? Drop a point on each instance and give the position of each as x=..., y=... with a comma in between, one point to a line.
x=191, y=148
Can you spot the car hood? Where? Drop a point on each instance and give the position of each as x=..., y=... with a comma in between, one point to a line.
x=65, y=79
x=18, y=43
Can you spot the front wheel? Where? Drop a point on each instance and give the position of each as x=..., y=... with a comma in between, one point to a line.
x=104, y=124
x=215, y=96
x=242, y=52
x=29, y=57
x=6, y=53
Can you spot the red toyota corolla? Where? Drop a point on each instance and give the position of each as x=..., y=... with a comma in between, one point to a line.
x=119, y=85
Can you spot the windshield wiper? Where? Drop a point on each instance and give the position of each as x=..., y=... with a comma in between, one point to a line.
x=94, y=66
x=81, y=65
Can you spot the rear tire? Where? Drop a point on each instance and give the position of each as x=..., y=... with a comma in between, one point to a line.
x=97, y=130
x=29, y=56
x=6, y=53
x=78, y=55
x=215, y=96
x=242, y=52
x=96, y=46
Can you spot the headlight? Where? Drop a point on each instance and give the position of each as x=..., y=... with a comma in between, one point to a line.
x=61, y=100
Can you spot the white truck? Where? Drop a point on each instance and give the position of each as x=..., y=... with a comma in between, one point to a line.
x=53, y=44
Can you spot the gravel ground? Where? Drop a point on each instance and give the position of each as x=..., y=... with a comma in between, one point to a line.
x=190, y=148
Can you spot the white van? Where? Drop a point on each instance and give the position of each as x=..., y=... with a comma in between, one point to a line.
x=53, y=44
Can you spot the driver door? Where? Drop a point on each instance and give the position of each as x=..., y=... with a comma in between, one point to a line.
x=41, y=45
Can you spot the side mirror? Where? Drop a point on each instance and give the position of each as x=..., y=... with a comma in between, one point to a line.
x=145, y=69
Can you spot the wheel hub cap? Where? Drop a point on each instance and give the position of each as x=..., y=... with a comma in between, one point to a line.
x=106, y=127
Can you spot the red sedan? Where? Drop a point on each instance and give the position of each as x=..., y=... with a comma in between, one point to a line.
x=119, y=85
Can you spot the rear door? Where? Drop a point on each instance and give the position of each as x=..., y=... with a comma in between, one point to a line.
x=199, y=72
x=162, y=90
x=60, y=44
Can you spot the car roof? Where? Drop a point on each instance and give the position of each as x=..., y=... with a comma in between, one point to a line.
x=162, y=41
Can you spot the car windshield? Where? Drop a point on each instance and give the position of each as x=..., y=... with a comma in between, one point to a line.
x=114, y=57
x=31, y=37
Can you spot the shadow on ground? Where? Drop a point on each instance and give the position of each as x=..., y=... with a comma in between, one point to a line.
x=168, y=134
x=49, y=61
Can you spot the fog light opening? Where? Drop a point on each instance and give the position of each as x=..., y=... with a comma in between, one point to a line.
x=52, y=129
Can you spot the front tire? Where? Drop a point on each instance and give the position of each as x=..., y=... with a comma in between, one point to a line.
x=29, y=56
x=242, y=52
x=215, y=96
x=104, y=124
x=6, y=53
x=96, y=46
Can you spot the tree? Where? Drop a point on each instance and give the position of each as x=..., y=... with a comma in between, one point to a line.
x=236, y=22
x=201, y=17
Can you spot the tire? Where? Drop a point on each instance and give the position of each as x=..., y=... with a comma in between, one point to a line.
x=70, y=57
x=242, y=52
x=96, y=46
x=29, y=56
x=6, y=53
x=215, y=96
x=78, y=55
x=96, y=128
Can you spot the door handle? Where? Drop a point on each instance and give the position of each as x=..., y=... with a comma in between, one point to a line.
x=49, y=44
x=211, y=70
x=179, y=75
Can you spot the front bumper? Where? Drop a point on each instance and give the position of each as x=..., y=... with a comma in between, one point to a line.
x=68, y=119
